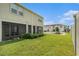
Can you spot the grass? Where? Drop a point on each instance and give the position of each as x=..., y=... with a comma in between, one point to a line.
x=48, y=45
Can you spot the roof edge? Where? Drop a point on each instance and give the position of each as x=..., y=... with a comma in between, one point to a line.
x=28, y=9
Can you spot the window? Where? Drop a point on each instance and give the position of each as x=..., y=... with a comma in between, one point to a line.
x=16, y=9
x=20, y=13
x=40, y=29
x=13, y=10
x=29, y=28
x=5, y=30
x=40, y=20
x=14, y=29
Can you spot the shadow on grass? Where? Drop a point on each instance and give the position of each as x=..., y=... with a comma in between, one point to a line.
x=16, y=40
x=10, y=41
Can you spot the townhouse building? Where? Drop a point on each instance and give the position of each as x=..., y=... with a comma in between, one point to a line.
x=52, y=28
x=16, y=20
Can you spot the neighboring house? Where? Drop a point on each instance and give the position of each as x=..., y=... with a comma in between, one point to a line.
x=75, y=33
x=52, y=28
x=16, y=20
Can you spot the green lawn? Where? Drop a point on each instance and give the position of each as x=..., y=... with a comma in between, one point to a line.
x=48, y=45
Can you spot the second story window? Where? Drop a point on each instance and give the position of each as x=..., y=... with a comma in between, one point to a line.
x=20, y=13
x=16, y=9
x=40, y=20
x=13, y=10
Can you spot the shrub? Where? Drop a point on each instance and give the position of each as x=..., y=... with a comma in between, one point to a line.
x=25, y=36
x=30, y=36
x=35, y=35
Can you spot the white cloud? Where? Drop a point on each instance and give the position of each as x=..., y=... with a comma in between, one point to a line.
x=70, y=12
x=67, y=18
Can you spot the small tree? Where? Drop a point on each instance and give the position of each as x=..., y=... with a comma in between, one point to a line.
x=57, y=30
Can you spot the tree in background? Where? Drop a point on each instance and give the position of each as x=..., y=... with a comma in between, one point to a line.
x=57, y=30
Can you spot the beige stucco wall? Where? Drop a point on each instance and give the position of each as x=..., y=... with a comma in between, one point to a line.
x=51, y=28
x=77, y=34
x=59, y=26
x=6, y=15
x=48, y=27
x=28, y=18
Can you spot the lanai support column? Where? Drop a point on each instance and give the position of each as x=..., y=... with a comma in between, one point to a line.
x=0, y=31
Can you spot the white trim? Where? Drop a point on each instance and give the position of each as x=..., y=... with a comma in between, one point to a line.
x=6, y=20
x=0, y=31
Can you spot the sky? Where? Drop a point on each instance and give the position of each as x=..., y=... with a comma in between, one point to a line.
x=54, y=13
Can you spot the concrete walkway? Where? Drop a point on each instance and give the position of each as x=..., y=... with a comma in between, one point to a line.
x=63, y=33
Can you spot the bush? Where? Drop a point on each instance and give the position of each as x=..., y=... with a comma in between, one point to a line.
x=26, y=36
x=30, y=36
